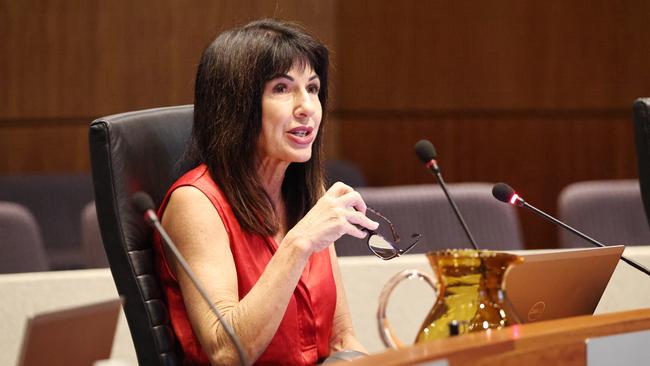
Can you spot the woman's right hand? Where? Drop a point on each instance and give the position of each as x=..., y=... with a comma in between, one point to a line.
x=337, y=212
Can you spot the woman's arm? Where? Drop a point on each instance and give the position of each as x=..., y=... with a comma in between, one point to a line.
x=195, y=226
x=343, y=336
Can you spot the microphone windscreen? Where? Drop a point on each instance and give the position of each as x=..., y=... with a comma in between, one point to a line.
x=503, y=192
x=425, y=150
x=142, y=201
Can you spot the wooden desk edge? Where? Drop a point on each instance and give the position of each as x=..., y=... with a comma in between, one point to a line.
x=516, y=338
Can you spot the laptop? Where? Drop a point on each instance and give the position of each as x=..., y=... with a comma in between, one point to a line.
x=553, y=284
x=71, y=337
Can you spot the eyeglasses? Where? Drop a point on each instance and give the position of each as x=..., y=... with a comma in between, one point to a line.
x=384, y=242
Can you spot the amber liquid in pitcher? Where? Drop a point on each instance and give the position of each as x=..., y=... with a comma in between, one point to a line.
x=470, y=284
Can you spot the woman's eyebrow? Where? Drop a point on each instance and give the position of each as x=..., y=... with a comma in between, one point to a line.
x=282, y=75
x=285, y=76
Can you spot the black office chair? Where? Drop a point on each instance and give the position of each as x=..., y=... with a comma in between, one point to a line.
x=641, y=109
x=130, y=152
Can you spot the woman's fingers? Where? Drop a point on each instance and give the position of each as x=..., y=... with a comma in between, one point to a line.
x=338, y=189
x=347, y=196
x=355, y=209
x=340, y=211
x=356, y=232
x=353, y=199
x=358, y=218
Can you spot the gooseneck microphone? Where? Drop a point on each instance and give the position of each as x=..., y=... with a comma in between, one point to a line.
x=427, y=154
x=144, y=204
x=505, y=193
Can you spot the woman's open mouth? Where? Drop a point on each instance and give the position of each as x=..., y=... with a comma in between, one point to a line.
x=302, y=135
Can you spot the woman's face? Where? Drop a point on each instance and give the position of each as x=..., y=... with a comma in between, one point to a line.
x=291, y=114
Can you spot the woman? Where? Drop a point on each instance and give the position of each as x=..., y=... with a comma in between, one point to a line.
x=253, y=218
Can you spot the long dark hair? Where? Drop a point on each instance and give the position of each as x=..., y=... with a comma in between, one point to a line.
x=228, y=118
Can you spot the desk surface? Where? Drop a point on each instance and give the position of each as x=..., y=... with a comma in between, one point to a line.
x=529, y=344
x=364, y=277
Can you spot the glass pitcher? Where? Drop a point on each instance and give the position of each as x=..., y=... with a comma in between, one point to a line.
x=470, y=294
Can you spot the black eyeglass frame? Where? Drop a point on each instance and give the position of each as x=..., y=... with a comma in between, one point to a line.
x=396, y=239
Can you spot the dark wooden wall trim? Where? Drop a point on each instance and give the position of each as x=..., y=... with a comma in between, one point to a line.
x=52, y=147
x=392, y=114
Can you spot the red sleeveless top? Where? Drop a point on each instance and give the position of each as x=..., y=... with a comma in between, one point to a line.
x=303, y=335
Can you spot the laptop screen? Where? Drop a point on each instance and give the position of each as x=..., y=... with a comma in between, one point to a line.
x=77, y=336
x=553, y=284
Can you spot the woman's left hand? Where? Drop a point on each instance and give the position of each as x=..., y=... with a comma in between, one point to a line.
x=340, y=211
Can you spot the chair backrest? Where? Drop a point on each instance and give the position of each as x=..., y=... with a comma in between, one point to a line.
x=20, y=241
x=608, y=211
x=91, y=238
x=130, y=152
x=55, y=200
x=424, y=209
x=642, y=136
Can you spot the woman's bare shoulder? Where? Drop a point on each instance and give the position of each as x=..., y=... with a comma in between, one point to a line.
x=189, y=207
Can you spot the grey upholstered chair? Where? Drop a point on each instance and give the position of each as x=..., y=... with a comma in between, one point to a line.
x=55, y=200
x=20, y=240
x=608, y=211
x=424, y=209
x=91, y=238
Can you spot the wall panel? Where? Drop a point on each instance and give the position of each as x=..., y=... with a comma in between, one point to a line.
x=90, y=58
x=502, y=88
x=537, y=155
x=38, y=147
x=66, y=62
x=537, y=94
x=511, y=54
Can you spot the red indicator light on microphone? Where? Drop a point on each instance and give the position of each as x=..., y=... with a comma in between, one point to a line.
x=430, y=164
x=514, y=199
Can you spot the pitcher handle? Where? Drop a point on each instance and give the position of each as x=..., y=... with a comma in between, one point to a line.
x=385, y=331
